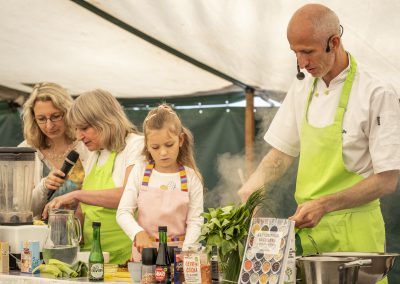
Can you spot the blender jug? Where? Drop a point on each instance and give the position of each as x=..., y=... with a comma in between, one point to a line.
x=63, y=236
x=17, y=166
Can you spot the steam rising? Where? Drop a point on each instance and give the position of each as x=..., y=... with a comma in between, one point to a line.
x=232, y=171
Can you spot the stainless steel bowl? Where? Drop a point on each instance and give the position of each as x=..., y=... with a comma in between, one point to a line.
x=325, y=269
x=382, y=263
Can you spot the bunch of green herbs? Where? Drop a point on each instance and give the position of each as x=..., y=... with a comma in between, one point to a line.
x=227, y=228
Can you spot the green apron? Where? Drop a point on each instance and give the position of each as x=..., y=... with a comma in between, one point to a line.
x=113, y=239
x=322, y=172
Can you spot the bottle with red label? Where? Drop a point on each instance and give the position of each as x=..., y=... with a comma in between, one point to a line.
x=163, y=263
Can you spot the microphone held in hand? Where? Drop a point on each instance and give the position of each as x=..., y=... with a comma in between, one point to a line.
x=69, y=162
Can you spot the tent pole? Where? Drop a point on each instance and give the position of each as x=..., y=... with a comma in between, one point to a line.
x=249, y=130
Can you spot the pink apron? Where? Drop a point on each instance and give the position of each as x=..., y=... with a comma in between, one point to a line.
x=163, y=207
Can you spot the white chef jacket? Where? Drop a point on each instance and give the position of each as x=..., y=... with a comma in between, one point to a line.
x=371, y=123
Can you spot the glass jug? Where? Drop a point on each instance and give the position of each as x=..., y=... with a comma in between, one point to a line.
x=64, y=235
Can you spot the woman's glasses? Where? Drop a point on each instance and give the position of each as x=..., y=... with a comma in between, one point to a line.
x=53, y=118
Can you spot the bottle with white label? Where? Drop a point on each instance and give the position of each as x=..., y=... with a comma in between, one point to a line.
x=96, y=259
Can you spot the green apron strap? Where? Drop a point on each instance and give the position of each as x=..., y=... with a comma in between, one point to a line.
x=113, y=239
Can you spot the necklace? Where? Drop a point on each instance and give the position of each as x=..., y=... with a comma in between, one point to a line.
x=56, y=156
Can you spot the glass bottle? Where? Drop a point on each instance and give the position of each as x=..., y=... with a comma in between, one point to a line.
x=171, y=254
x=163, y=264
x=96, y=259
x=214, y=265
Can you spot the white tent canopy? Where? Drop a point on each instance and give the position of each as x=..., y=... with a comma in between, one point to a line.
x=62, y=41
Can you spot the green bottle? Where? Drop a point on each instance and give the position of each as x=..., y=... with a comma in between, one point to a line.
x=96, y=260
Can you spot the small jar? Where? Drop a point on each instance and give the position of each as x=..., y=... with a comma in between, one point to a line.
x=149, y=256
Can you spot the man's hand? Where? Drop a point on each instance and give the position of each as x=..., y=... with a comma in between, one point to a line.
x=142, y=240
x=244, y=193
x=309, y=214
x=67, y=201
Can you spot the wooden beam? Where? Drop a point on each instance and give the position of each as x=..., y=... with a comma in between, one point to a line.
x=249, y=131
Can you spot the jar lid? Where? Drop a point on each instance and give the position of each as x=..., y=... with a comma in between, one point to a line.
x=162, y=228
x=17, y=154
x=149, y=256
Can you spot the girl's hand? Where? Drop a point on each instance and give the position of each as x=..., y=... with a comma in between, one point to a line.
x=54, y=180
x=142, y=240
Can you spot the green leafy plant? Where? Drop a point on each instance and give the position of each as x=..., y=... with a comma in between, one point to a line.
x=227, y=228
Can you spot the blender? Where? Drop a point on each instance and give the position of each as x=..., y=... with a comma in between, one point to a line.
x=17, y=167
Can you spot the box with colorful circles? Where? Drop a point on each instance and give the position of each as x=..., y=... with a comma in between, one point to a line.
x=269, y=242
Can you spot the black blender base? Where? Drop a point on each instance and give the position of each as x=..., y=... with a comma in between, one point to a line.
x=13, y=262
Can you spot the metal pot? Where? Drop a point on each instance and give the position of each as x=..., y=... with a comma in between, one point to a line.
x=330, y=270
x=382, y=263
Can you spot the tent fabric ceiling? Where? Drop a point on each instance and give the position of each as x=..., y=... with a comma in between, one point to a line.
x=58, y=40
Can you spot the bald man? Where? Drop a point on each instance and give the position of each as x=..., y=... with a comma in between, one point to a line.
x=344, y=124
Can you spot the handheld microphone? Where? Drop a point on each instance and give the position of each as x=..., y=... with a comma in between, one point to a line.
x=300, y=75
x=69, y=162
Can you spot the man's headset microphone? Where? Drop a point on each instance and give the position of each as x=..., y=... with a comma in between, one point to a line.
x=300, y=75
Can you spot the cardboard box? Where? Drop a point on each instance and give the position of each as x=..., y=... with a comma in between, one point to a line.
x=4, y=257
x=30, y=256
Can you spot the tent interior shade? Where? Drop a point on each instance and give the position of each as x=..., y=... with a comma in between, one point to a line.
x=63, y=42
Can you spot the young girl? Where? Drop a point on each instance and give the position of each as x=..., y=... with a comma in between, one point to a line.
x=165, y=190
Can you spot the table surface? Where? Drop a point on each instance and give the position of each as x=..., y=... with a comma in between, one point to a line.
x=16, y=277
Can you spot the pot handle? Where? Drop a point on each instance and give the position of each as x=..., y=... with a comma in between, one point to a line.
x=313, y=242
x=345, y=266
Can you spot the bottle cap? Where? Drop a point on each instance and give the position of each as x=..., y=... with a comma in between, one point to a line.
x=214, y=250
x=96, y=224
x=162, y=228
x=149, y=256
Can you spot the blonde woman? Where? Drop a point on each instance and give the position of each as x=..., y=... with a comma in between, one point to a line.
x=47, y=130
x=115, y=146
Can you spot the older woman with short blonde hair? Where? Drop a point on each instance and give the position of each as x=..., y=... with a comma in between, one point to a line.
x=115, y=146
x=100, y=110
